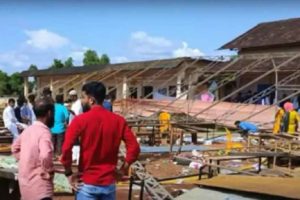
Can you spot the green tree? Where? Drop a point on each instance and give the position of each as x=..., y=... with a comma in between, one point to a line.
x=32, y=67
x=91, y=58
x=69, y=62
x=57, y=64
x=15, y=83
x=104, y=60
x=4, y=89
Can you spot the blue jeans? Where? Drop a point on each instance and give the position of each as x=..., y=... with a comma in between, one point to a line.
x=93, y=192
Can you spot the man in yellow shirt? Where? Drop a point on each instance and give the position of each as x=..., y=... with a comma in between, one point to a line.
x=278, y=119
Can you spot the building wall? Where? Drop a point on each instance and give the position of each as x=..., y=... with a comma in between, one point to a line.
x=157, y=78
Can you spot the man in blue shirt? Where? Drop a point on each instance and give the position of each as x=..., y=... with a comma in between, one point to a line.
x=107, y=103
x=26, y=113
x=247, y=127
x=61, y=118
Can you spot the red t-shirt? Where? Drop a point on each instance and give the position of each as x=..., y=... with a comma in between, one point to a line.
x=100, y=133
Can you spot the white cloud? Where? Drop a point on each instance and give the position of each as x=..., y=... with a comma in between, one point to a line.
x=13, y=59
x=44, y=39
x=143, y=43
x=120, y=59
x=185, y=51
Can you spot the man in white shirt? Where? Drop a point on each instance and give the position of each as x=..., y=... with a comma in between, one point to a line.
x=9, y=118
x=31, y=100
x=76, y=109
x=76, y=103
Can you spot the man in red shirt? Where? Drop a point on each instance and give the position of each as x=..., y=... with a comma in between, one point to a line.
x=100, y=133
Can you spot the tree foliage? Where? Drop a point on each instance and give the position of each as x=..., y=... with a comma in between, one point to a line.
x=3, y=83
x=15, y=83
x=91, y=58
x=32, y=67
x=57, y=64
x=104, y=60
x=11, y=85
x=69, y=62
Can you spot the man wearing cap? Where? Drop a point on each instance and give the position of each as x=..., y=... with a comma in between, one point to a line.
x=76, y=103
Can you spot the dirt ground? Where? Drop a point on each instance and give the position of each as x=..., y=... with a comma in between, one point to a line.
x=165, y=168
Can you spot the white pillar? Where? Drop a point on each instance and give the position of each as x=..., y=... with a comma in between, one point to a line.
x=179, y=84
x=124, y=88
x=51, y=84
x=26, y=87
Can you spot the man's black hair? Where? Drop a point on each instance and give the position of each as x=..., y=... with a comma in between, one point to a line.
x=43, y=106
x=20, y=102
x=237, y=122
x=11, y=100
x=59, y=98
x=95, y=89
x=47, y=91
x=282, y=104
x=31, y=98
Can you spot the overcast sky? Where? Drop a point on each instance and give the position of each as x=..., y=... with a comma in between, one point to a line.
x=36, y=32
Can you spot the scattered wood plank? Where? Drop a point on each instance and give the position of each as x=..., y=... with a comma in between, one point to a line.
x=276, y=186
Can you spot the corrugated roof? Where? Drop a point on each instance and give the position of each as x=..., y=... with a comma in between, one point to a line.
x=276, y=33
x=166, y=63
x=262, y=66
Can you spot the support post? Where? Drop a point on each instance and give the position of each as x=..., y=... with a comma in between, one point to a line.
x=124, y=88
x=179, y=84
x=51, y=86
x=26, y=87
x=276, y=82
x=142, y=190
x=130, y=187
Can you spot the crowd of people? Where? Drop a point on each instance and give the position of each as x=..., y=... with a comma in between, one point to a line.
x=47, y=129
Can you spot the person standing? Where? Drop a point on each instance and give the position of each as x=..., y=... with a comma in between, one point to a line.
x=107, y=104
x=278, y=119
x=76, y=103
x=20, y=102
x=26, y=113
x=34, y=151
x=31, y=99
x=291, y=119
x=10, y=120
x=61, y=117
x=100, y=132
